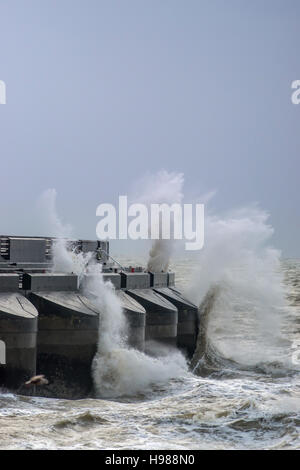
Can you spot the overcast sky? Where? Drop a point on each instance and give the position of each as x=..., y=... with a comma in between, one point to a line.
x=100, y=91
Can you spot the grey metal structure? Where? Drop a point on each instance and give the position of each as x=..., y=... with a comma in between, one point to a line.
x=18, y=331
x=161, y=316
x=35, y=253
x=187, y=326
x=50, y=324
x=136, y=320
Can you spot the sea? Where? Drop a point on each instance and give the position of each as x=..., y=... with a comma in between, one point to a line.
x=241, y=390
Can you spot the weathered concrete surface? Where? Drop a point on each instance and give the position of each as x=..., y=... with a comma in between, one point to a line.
x=161, y=315
x=67, y=342
x=134, y=312
x=171, y=279
x=187, y=327
x=159, y=279
x=135, y=280
x=89, y=245
x=18, y=330
x=50, y=282
x=27, y=250
x=136, y=320
x=9, y=282
x=87, y=280
x=114, y=278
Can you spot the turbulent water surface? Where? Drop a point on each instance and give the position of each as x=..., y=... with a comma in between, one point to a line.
x=242, y=390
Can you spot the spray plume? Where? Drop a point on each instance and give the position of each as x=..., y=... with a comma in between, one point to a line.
x=117, y=369
x=246, y=318
x=160, y=188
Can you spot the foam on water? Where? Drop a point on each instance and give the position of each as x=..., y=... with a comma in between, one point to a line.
x=246, y=318
x=247, y=394
x=119, y=370
x=246, y=410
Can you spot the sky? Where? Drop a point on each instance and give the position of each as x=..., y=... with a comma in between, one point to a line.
x=99, y=92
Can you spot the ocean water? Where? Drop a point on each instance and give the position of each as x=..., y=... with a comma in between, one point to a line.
x=241, y=390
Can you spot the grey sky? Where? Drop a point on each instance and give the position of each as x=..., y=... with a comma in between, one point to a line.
x=100, y=91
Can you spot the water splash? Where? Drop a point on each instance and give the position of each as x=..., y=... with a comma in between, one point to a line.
x=245, y=320
x=161, y=188
x=117, y=369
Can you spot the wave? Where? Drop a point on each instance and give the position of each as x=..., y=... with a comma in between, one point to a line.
x=210, y=360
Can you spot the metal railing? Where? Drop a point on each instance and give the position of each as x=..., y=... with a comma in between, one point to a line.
x=109, y=256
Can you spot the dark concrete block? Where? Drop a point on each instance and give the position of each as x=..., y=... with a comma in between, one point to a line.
x=136, y=320
x=27, y=250
x=89, y=245
x=187, y=328
x=50, y=282
x=161, y=315
x=18, y=331
x=87, y=280
x=135, y=280
x=115, y=279
x=171, y=279
x=67, y=342
x=9, y=282
x=158, y=279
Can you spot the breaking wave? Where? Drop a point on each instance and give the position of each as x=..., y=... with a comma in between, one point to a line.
x=117, y=369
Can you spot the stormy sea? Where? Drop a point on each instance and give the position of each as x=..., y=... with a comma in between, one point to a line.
x=241, y=390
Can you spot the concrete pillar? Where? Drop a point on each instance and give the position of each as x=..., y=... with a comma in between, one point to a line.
x=187, y=327
x=134, y=312
x=18, y=333
x=159, y=279
x=161, y=316
x=135, y=280
x=67, y=337
x=136, y=320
